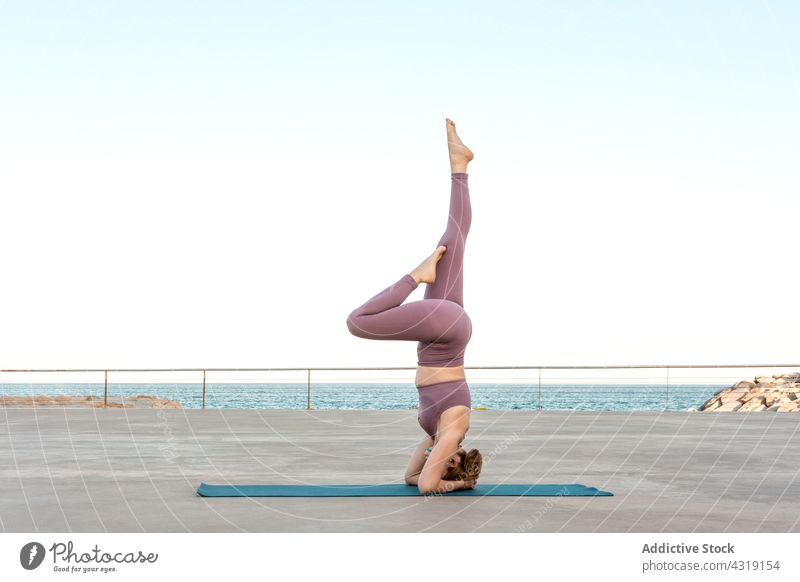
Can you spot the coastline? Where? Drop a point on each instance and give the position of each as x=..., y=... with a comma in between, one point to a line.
x=777, y=393
x=139, y=401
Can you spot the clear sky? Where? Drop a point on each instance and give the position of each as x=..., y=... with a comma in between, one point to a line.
x=220, y=183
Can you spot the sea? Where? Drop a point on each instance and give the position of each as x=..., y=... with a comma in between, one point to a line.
x=394, y=396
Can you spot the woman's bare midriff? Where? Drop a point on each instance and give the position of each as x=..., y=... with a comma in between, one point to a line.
x=430, y=375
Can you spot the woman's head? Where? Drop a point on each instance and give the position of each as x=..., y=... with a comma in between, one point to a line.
x=463, y=465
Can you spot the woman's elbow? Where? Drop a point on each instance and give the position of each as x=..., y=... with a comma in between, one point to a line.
x=426, y=489
x=426, y=486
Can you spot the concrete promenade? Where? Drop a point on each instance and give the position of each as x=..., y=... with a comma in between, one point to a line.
x=137, y=470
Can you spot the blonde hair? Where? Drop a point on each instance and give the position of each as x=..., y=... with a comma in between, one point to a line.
x=468, y=469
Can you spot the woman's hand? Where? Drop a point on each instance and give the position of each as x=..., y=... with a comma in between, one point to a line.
x=470, y=483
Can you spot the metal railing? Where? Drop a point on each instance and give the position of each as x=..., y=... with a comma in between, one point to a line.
x=666, y=368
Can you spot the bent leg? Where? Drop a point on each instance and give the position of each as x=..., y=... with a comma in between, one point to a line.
x=384, y=318
x=449, y=282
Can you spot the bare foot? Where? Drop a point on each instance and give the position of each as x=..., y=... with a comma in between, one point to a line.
x=460, y=155
x=426, y=272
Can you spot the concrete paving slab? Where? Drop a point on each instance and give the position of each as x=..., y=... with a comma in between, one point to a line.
x=137, y=470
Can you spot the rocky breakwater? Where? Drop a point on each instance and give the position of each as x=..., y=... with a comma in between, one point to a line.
x=140, y=401
x=778, y=393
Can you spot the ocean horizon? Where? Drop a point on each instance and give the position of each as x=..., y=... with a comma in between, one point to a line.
x=392, y=396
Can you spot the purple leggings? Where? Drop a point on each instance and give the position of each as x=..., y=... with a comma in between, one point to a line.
x=438, y=322
x=434, y=399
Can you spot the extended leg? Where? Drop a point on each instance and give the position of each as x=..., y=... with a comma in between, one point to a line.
x=449, y=282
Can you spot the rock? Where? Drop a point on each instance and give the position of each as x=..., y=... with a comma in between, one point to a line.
x=729, y=407
x=780, y=392
x=87, y=401
x=752, y=404
x=794, y=377
x=710, y=403
x=755, y=393
x=735, y=394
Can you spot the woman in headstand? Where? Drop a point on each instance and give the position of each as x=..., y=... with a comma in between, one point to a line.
x=442, y=329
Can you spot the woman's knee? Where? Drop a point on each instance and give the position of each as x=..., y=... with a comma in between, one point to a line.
x=363, y=326
x=353, y=324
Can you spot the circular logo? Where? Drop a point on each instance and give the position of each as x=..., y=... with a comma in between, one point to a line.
x=31, y=555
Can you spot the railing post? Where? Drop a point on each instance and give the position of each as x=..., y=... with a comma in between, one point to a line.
x=204, y=388
x=539, y=403
x=105, y=390
x=666, y=402
x=308, y=405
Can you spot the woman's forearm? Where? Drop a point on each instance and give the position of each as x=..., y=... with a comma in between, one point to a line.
x=446, y=486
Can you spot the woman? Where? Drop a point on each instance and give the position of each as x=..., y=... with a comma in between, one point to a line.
x=442, y=329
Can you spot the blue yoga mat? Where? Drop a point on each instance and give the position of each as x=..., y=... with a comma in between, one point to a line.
x=395, y=490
